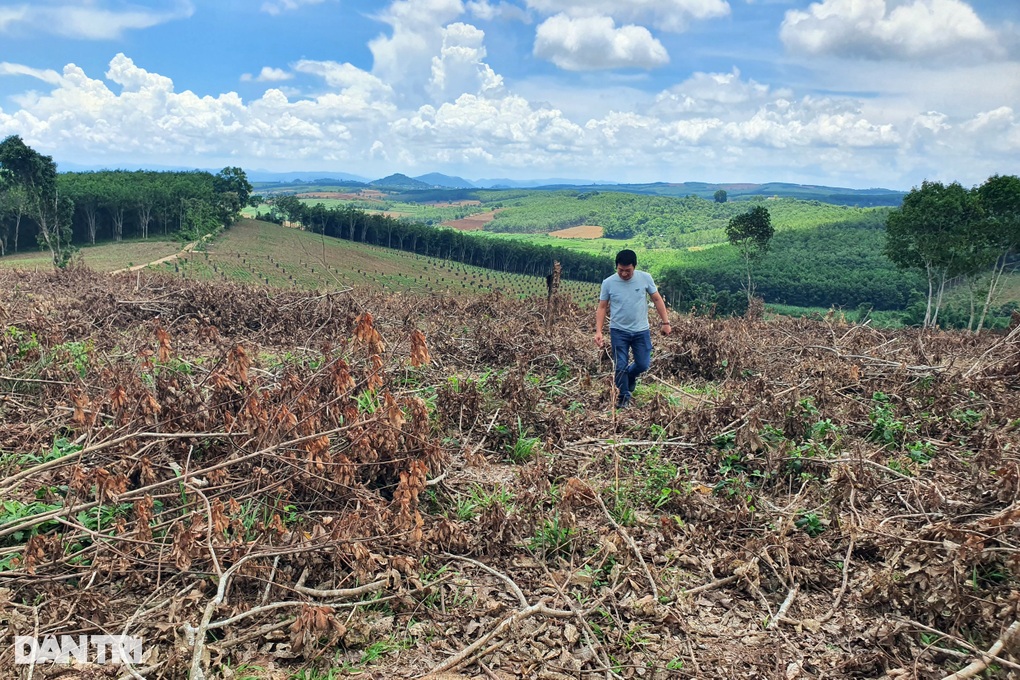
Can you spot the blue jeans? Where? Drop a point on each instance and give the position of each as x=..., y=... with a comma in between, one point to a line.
x=627, y=372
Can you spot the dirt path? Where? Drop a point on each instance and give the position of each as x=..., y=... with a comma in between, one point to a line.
x=169, y=258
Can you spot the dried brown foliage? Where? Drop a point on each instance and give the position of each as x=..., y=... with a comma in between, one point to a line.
x=808, y=498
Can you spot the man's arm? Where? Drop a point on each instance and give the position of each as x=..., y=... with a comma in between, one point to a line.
x=600, y=320
x=660, y=309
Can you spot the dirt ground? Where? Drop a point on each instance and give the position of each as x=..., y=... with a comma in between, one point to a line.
x=280, y=484
x=473, y=222
x=580, y=231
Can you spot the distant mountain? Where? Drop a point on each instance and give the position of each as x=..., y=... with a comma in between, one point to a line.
x=438, y=179
x=738, y=191
x=503, y=183
x=399, y=181
x=316, y=176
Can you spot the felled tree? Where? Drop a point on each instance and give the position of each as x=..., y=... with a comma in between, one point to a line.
x=751, y=233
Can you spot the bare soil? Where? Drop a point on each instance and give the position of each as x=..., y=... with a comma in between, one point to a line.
x=473, y=222
x=584, y=231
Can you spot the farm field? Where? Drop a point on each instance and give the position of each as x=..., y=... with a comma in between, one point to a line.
x=267, y=483
x=585, y=231
x=264, y=253
x=472, y=222
x=103, y=257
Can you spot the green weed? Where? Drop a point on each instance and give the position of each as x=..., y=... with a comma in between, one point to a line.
x=523, y=448
x=552, y=539
x=810, y=523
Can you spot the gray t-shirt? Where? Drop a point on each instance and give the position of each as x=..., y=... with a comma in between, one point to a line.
x=628, y=308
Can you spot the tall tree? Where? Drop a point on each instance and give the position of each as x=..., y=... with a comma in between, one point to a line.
x=751, y=233
x=934, y=231
x=36, y=174
x=720, y=196
x=999, y=198
x=233, y=191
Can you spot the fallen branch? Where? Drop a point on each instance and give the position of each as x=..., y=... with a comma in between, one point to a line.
x=339, y=592
x=467, y=654
x=711, y=586
x=503, y=577
x=979, y=665
x=781, y=614
x=633, y=546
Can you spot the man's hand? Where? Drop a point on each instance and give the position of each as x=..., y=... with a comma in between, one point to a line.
x=665, y=328
x=600, y=341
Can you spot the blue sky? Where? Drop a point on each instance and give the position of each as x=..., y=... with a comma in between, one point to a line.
x=856, y=93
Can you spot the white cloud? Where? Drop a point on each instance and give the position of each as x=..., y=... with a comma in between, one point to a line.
x=354, y=93
x=595, y=43
x=713, y=92
x=508, y=132
x=668, y=15
x=268, y=74
x=404, y=59
x=711, y=125
x=459, y=67
x=11, y=16
x=276, y=7
x=997, y=131
x=890, y=29
x=89, y=21
x=487, y=11
x=45, y=75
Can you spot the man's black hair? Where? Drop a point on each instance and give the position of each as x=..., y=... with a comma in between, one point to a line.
x=626, y=257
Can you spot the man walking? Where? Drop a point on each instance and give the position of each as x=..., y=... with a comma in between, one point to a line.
x=623, y=297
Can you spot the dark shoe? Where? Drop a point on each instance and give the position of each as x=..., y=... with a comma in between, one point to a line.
x=622, y=404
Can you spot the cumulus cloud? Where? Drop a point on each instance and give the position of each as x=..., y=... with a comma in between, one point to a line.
x=404, y=58
x=459, y=67
x=268, y=74
x=889, y=29
x=720, y=124
x=668, y=15
x=276, y=7
x=713, y=93
x=89, y=21
x=595, y=43
x=353, y=92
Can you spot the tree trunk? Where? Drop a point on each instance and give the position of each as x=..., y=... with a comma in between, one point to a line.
x=17, y=228
x=931, y=294
x=118, y=224
x=92, y=222
x=971, y=294
x=938, y=304
x=144, y=217
x=993, y=286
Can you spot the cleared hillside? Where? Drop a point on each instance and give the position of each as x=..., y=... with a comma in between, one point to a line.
x=272, y=484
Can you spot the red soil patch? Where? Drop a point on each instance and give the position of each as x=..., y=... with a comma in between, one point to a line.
x=580, y=231
x=473, y=222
